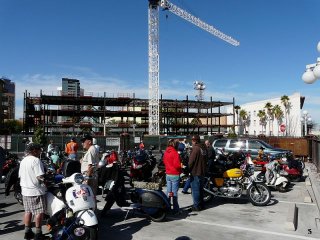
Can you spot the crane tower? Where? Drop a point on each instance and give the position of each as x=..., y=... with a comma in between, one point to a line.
x=153, y=51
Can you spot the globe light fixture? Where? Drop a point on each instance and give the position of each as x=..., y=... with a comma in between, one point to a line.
x=312, y=72
x=309, y=76
x=316, y=70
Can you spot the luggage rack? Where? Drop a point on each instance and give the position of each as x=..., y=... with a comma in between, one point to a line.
x=147, y=185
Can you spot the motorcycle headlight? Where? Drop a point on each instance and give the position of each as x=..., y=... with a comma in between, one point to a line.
x=78, y=178
x=79, y=231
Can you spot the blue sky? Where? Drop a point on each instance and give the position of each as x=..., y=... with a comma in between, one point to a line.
x=104, y=44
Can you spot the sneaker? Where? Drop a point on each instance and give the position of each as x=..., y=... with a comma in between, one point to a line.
x=195, y=209
x=29, y=235
x=185, y=192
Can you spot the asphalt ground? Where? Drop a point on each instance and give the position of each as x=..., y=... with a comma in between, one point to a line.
x=222, y=218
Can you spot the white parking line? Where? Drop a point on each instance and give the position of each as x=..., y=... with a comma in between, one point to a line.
x=246, y=229
x=301, y=203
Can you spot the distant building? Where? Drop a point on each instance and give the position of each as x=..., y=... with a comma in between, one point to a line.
x=290, y=121
x=7, y=100
x=70, y=87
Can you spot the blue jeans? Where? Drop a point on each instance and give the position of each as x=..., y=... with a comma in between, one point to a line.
x=173, y=186
x=197, y=190
x=186, y=185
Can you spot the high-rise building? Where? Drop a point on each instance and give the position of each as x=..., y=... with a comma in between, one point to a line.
x=70, y=87
x=7, y=100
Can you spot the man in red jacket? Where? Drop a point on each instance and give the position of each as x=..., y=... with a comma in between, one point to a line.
x=171, y=160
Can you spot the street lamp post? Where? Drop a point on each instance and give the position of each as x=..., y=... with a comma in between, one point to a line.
x=312, y=72
x=199, y=86
x=305, y=119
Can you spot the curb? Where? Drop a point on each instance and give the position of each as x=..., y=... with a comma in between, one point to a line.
x=292, y=217
x=314, y=183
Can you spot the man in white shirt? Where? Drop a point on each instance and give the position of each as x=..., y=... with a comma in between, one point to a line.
x=31, y=173
x=89, y=162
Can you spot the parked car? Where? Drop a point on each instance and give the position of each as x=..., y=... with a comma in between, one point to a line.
x=247, y=145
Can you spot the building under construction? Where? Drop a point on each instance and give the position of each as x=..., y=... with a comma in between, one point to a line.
x=65, y=114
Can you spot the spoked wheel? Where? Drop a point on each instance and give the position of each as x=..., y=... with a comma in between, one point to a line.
x=259, y=194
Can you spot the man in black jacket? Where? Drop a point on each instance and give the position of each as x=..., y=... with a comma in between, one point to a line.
x=198, y=161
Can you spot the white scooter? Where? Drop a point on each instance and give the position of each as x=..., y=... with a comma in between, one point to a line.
x=277, y=178
x=71, y=209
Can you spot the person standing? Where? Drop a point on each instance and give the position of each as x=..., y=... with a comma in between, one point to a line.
x=211, y=155
x=72, y=149
x=2, y=160
x=89, y=162
x=198, y=167
x=31, y=173
x=172, y=162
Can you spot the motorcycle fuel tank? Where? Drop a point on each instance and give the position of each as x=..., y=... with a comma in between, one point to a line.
x=233, y=173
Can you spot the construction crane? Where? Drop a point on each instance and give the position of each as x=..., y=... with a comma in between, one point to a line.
x=153, y=51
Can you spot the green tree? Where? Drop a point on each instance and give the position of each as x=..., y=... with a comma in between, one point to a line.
x=262, y=119
x=270, y=116
x=11, y=127
x=39, y=137
x=244, y=120
x=278, y=114
x=287, y=105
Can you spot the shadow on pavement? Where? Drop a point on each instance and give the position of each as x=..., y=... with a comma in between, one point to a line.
x=113, y=226
x=11, y=226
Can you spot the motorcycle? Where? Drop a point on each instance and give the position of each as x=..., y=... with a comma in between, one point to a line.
x=160, y=175
x=10, y=163
x=232, y=182
x=143, y=163
x=70, y=207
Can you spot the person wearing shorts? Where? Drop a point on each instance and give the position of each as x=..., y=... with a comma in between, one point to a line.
x=31, y=173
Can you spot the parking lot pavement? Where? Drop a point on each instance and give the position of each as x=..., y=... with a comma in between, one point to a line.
x=222, y=219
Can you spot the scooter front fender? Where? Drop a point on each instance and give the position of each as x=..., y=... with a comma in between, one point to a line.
x=281, y=181
x=87, y=217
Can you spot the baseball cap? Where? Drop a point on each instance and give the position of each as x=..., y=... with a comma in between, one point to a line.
x=86, y=137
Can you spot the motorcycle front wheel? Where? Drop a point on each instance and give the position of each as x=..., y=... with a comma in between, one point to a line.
x=259, y=194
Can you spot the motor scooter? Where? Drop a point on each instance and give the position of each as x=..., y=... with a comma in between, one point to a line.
x=70, y=207
x=277, y=178
x=149, y=198
x=293, y=167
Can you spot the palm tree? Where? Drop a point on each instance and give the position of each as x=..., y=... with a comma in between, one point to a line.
x=262, y=118
x=278, y=114
x=285, y=101
x=237, y=108
x=270, y=115
x=243, y=118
